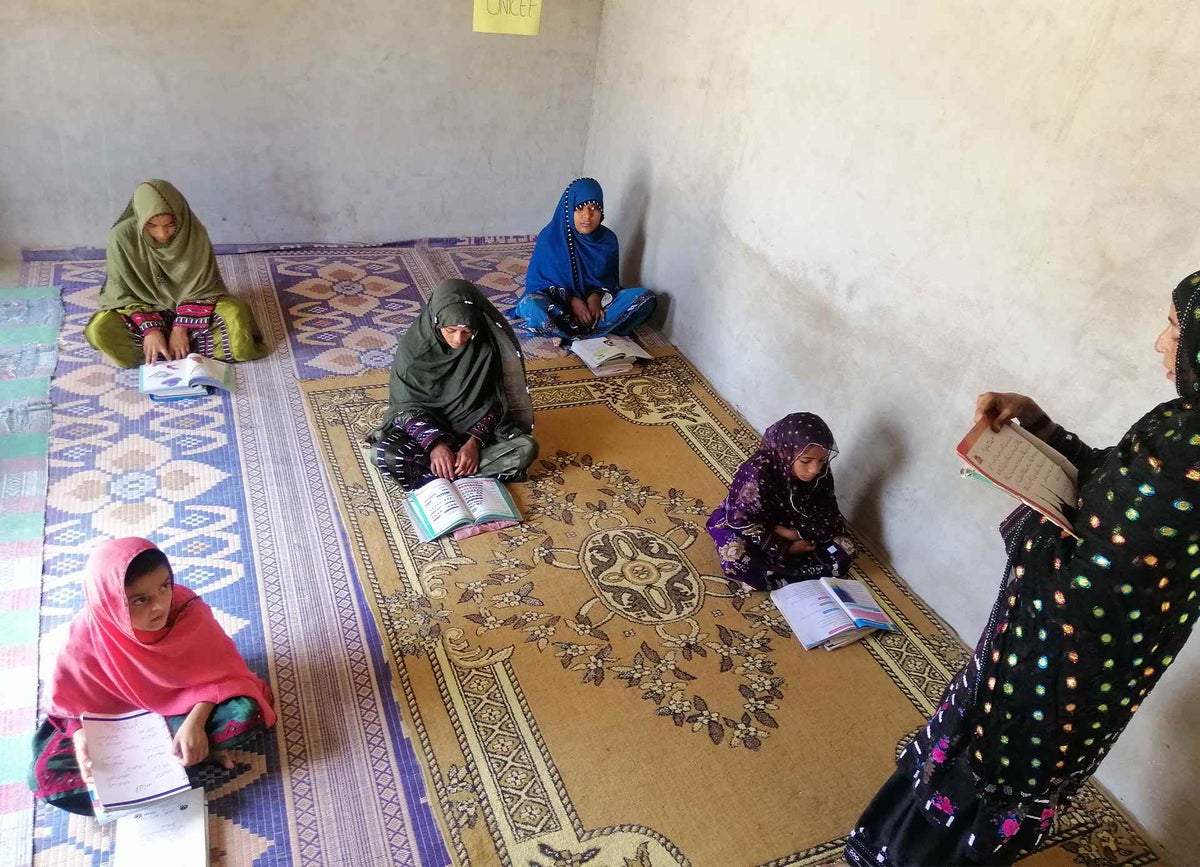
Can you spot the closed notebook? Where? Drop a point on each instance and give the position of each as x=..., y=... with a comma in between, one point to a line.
x=172, y=832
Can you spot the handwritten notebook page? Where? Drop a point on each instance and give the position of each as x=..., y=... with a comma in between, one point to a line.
x=1024, y=466
x=132, y=759
x=172, y=831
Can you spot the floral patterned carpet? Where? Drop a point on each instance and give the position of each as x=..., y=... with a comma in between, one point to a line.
x=586, y=687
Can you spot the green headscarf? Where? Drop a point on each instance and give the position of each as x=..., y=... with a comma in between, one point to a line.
x=459, y=386
x=143, y=272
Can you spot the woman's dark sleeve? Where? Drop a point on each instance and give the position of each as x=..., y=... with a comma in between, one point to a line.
x=1085, y=458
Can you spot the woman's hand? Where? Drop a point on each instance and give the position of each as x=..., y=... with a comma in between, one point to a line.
x=191, y=741
x=596, y=307
x=467, y=461
x=785, y=532
x=582, y=312
x=154, y=346
x=180, y=343
x=801, y=546
x=82, y=757
x=998, y=407
x=441, y=461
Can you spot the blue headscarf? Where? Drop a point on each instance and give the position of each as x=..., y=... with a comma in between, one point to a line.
x=577, y=263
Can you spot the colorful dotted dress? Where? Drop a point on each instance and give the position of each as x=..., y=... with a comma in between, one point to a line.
x=1081, y=632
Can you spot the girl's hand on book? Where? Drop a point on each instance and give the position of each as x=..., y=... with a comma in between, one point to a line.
x=467, y=461
x=801, y=546
x=191, y=743
x=1000, y=407
x=582, y=312
x=154, y=346
x=441, y=461
x=180, y=343
x=81, y=756
x=596, y=307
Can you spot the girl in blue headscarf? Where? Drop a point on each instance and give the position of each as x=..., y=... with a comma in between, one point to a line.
x=572, y=288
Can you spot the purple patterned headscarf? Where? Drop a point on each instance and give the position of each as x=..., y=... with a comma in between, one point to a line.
x=765, y=491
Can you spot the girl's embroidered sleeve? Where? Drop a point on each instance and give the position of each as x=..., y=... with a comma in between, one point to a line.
x=482, y=430
x=750, y=527
x=144, y=321
x=194, y=315
x=422, y=428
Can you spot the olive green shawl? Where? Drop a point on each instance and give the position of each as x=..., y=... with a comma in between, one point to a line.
x=144, y=273
x=459, y=386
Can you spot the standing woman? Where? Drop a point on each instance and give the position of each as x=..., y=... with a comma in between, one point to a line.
x=1079, y=635
x=163, y=296
x=780, y=522
x=573, y=287
x=458, y=403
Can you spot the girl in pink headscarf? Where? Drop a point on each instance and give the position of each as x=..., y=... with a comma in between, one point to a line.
x=143, y=642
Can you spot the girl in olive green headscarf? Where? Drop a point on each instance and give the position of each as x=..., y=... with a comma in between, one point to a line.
x=458, y=404
x=163, y=296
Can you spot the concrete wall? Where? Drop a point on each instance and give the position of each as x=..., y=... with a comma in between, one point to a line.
x=876, y=211
x=363, y=120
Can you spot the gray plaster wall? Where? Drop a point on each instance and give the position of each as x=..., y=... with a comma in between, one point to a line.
x=876, y=211
x=288, y=120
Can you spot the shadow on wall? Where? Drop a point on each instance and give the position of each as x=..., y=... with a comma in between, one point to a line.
x=1183, y=752
x=879, y=454
x=635, y=206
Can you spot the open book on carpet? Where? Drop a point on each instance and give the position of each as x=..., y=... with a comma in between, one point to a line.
x=609, y=355
x=830, y=612
x=191, y=376
x=1021, y=465
x=467, y=506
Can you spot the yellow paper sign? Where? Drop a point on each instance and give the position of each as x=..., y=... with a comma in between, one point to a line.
x=520, y=17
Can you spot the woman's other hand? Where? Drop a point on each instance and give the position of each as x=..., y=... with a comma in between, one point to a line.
x=467, y=462
x=801, y=546
x=180, y=342
x=582, y=312
x=785, y=532
x=999, y=407
x=82, y=757
x=441, y=461
x=154, y=346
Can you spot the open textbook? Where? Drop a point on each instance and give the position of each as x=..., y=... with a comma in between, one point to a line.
x=612, y=354
x=172, y=831
x=1020, y=464
x=185, y=377
x=439, y=507
x=133, y=760
x=830, y=612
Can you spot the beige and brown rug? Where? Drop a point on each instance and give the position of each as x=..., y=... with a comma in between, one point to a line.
x=587, y=688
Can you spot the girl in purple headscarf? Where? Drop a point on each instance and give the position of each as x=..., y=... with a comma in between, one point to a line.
x=780, y=522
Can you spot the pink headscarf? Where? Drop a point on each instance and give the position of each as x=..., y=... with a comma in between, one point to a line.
x=106, y=668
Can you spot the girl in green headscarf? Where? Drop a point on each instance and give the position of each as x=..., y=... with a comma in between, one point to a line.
x=163, y=296
x=458, y=403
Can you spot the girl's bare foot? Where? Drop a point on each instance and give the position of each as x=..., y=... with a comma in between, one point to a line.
x=222, y=758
